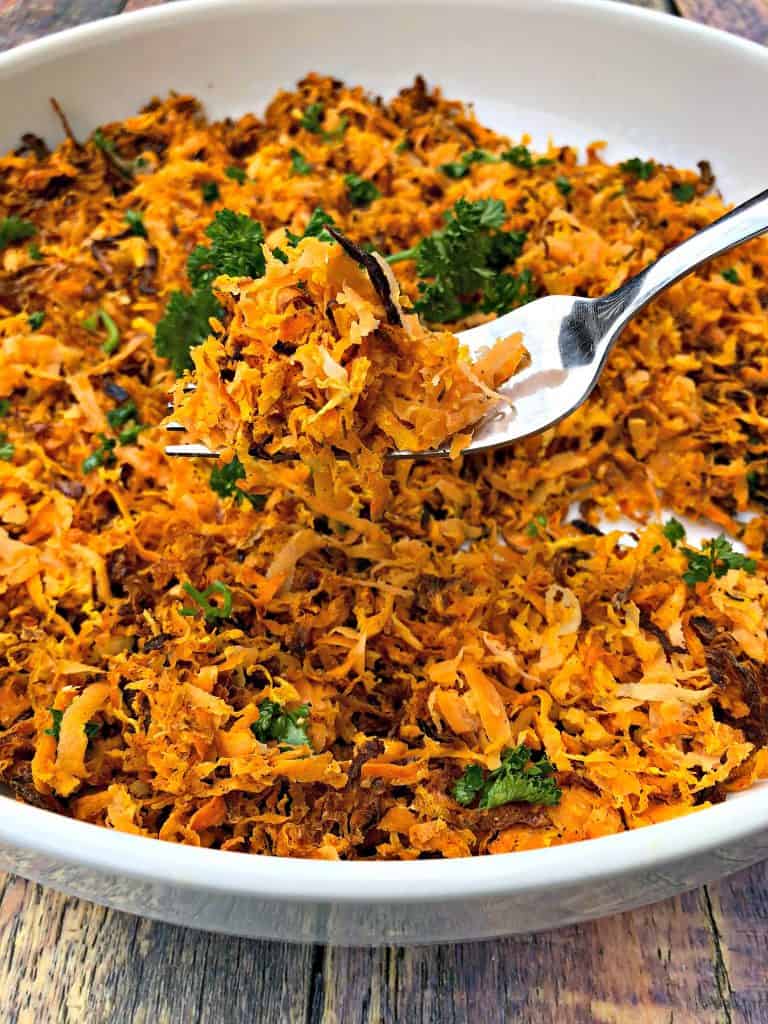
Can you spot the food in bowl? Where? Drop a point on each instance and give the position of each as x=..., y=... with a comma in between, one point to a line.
x=431, y=659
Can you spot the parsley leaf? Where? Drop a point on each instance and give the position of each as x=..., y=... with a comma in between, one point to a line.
x=223, y=479
x=315, y=227
x=236, y=174
x=537, y=523
x=235, y=250
x=126, y=168
x=312, y=118
x=674, y=531
x=731, y=275
x=683, y=192
x=715, y=559
x=119, y=416
x=460, y=168
x=360, y=191
x=523, y=776
x=135, y=221
x=201, y=599
x=34, y=252
x=468, y=785
x=210, y=191
x=6, y=448
x=563, y=185
x=36, y=319
x=641, y=169
x=275, y=722
x=101, y=456
x=184, y=325
x=14, y=229
x=519, y=156
x=5, y=406
x=299, y=164
x=91, y=729
x=464, y=260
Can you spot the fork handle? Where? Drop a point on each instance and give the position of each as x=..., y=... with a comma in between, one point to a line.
x=744, y=222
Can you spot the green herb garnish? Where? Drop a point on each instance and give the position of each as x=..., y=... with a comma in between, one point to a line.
x=119, y=416
x=715, y=559
x=235, y=250
x=312, y=118
x=91, y=728
x=104, y=455
x=210, y=191
x=460, y=168
x=236, y=174
x=135, y=221
x=36, y=319
x=683, y=192
x=201, y=598
x=524, y=776
x=109, y=325
x=33, y=251
x=536, y=524
x=519, y=156
x=184, y=325
x=126, y=168
x=642, y=169
x=463, y=262
x=731, y=275
x=299, y=164
x=316, y=226
x=275, y=722
x=360, y=191
x=674, y=531
x=564, y=186
x=14, y=229
x=6, y=448
x=5, y=406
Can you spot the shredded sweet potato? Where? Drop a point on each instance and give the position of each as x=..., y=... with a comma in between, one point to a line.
x=269, y=662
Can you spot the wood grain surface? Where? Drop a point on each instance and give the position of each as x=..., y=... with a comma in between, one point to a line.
x=699, y=959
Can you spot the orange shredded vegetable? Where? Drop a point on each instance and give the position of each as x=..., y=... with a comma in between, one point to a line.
x=305, y=662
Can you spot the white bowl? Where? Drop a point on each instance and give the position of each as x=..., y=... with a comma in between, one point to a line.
x=579, y=69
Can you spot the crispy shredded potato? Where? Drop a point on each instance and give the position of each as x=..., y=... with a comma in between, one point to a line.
x=275, y=663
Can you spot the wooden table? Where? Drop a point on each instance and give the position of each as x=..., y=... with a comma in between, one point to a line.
x=699, y=959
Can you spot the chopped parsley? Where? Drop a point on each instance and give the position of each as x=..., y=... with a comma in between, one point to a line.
x=278, y=253
x=91, y=728
x=135, y=221
x=715, y=559
x=524, y=776
x=299, y=164
x=126, y=168
x=223, y=481
x=316, y=226
x=34, y=252
x=235, y=250
x=104, y=455
x=536, y=524
x=184, y=325
x=518, y=156
x=120, y=415
x=6, y=448
x=683, y=192
x=731, y=275
x=641, y=169
x=674, y=531
x=36, y=319
x=5, y=406
x=463, y=264
x=14, y=229
x=109, y=325
x=460, y=168
x=236, y=174
x=312, y=121
x=564, y=186
x=275, y=722
x=403, y=145
x=360, y=191
x=210, y=191
x=201, y=598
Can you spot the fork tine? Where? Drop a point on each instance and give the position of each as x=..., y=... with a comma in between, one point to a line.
x=196, y=451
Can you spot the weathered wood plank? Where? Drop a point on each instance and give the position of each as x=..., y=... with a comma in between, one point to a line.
x=21, y=20
x=64, y=961
x=739, y=912
x=651, y=966
x=747, y=18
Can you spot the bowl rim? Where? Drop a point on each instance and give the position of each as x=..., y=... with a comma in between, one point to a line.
x=33, y=831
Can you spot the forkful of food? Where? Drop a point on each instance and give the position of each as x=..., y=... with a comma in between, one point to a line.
x=320, y=352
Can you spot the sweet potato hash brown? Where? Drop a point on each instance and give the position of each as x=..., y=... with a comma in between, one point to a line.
x=393, y=660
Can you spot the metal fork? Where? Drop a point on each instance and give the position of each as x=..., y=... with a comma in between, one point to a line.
x=569, y=338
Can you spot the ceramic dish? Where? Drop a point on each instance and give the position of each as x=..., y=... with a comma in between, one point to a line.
x=576, y=69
